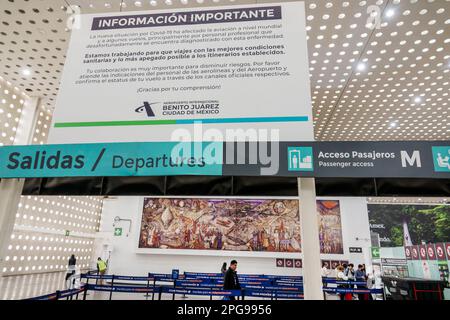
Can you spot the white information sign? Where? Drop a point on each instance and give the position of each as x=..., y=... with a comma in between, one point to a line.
x=138, y=76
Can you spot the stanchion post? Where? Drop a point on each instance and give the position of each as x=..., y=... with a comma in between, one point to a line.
x=174, y=285
x=58, y=294
x=112, y=288
x=324, y=285
x=160, y=293
x=86, y=287
x=148, y=287
x=154, y=285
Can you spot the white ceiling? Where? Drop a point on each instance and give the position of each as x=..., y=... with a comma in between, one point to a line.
x=403, y=93
x=408, y=200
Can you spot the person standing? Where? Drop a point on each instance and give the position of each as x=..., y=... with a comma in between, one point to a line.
x=231, y=281
x=341, y=277
x=325, y=273
x=360, y=275
x=101, y=268
x=71, y=270
x=350, y=272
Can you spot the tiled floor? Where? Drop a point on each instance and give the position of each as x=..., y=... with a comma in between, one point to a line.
x=26, y=286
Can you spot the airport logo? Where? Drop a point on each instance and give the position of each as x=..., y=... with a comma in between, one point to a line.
x=147, y=108
x=300, y=159
x=441, y=158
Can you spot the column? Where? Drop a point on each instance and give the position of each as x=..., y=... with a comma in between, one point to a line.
x=312, y=277
x=11, y=189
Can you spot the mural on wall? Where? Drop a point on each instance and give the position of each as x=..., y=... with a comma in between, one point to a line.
x=221, y=224
x=407, y=225
x=330, y=230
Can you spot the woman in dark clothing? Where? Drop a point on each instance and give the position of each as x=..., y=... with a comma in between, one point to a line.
x=72, y=260
x=71, y=267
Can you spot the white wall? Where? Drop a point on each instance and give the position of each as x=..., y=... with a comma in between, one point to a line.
x=355, y=229
x=126, y=260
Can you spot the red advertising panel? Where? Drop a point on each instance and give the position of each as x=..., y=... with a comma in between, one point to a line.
x=289, y=263
x=431, y=252
x=280, y=262
x=447, y=250
x=415, y=252
x=342, y=262
x=408, y=253
x=440, y=251
x=326, y=263
x=334, y=264
x=423, y=252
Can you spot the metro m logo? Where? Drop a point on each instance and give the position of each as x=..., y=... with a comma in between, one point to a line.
x=410, y=160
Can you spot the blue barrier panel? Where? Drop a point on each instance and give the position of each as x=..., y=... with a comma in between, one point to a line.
x=219, y=275
x=203, y=277
x=94, y=276
x=51, y=296
x=59, y=295
x=220, y=282
x=116, y=288
x=162, y=275
x=132, y=278
x=289, y=280
x=351, y=282
x=71, y=292
x=276, y=288
x=350, y=290
x=202, y=292
x=288, y=284
x=274, y=277
x=185, y=283
x=284, y=295
x=197, y=274
x=274, y=294
x=259, y=293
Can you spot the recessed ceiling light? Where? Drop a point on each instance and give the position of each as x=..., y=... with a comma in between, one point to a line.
x=390, y=13
x=138, y=3
x=26, y=72
x=361, y=66
x=153, y=3
x=417, y=99
x=393, y=124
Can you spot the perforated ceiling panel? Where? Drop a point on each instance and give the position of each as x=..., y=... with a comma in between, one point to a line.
x=371, y=78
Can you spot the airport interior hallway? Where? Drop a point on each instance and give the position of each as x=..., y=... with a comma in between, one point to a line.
x=223, y=150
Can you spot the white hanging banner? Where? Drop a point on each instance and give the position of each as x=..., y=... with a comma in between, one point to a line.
x=139, y=76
